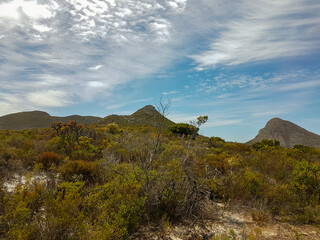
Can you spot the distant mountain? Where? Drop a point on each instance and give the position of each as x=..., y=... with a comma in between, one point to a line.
x=288, y=133
x=146, y=116
x=39, y=119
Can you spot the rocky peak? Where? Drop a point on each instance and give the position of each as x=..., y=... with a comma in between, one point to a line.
x=288, y=133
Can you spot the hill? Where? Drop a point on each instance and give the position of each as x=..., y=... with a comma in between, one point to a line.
x=39, y=119
x=146, y=116
x=288, y=133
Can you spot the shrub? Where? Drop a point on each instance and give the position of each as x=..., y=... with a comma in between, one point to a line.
x=306, y=182
x=48, y=160
x=183, y=129
x=78, y=171
x=302, y=148
x=116, y=207
x=215, y=142
x=265, y=144
x=247, y=185
x=280, y=199
x=85, y=149
x=112, y=128
x=260, y=216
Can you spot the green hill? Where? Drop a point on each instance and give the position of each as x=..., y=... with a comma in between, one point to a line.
x=146, y=116
x=39, y=119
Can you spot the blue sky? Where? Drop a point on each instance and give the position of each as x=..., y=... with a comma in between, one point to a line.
x=240, y=62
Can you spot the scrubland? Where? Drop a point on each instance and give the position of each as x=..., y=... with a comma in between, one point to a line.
x=110, y=182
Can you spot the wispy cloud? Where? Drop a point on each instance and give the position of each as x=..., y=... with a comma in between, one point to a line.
x=95, y=67
x=217, y=123
x=117, y=106
x=269, y=81
x=299, y=85
x=264, y=30
x=81, y=49
x=49, y=98
x=169, y=93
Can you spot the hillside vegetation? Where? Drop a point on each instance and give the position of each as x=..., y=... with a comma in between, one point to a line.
x=146, y=116
x=39, y=119
x=106, y=181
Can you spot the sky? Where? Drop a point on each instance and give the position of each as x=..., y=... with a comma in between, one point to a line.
x=240, y=62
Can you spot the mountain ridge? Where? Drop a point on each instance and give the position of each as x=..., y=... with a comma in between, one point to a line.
x=39, y=119
x=145, y=116
x=289, y=134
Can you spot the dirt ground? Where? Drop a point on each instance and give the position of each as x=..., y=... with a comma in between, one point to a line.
x=231, y=222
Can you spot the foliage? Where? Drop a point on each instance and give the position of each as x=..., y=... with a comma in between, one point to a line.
x=266, y=144
x=306, y=181
x=116, y=207
x=112, y=128
x=79, y=170
x=215, y=142
x=183, y=129
x=48, y=160
x=109, y=181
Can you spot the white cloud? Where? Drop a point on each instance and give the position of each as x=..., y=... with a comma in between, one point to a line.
x=112, y=2
x=264, y=30
x=181, y=117
x=142, y=100
x=41, y=28
x=6, y=108
x=95, y=84
x=112, y=107
x=268, y=82
x=169, y=93
x=52, y=98
x=86, y=48
x=32, y=9
x=299, y=85
x=217, y=123
x=90, y=48
x=95, y=67
x=269, y=113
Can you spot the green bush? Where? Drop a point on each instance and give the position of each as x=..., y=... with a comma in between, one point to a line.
x=183, y=129
x=112, y=128
x=266, y=144
x=306, y=182
x=78, y=170
x=117, y=206
x=215, y=142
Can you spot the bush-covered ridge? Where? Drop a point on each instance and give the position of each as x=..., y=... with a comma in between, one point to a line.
x=146, y=116
x=104, y=182
x=39, y=119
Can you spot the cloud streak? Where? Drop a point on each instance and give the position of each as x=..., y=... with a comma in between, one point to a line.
x=264, y=30
x=81, y=50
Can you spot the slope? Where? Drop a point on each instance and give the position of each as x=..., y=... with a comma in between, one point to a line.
x=39, y=119
x=288, y=133
x=146, y=116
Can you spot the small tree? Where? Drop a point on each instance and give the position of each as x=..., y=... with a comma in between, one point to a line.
x=163, y=108
x=200, y=121
x=69, y=134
